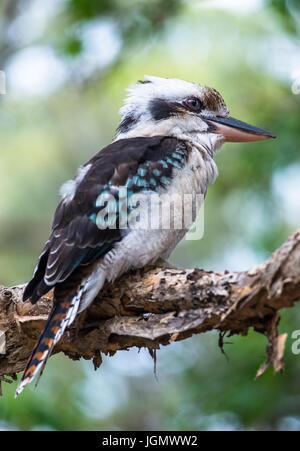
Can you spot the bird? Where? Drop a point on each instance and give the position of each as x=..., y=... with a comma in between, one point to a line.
x=165, y=144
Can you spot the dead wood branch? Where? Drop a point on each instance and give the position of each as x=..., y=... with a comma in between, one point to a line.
x=155, y=306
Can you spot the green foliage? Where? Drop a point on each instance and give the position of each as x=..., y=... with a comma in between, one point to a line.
x=136, y=20
x=286, y=9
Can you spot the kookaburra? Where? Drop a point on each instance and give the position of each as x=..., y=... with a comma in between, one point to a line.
x=165, y=144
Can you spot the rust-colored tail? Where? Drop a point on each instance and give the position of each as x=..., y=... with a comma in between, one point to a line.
x=62, y=315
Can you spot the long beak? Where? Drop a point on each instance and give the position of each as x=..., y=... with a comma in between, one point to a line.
x=234, y=130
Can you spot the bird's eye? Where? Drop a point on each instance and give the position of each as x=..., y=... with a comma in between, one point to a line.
x=193, y=104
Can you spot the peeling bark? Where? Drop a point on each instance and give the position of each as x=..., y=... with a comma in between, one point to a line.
x=155, y=306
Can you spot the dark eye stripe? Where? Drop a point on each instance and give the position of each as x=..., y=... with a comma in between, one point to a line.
x=161, y=109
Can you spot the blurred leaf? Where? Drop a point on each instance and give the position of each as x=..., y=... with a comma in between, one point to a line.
x=284, y=9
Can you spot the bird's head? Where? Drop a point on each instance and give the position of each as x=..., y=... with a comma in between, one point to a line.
x=172, y=107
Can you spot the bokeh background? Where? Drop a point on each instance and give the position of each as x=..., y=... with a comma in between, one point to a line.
x=67, y=64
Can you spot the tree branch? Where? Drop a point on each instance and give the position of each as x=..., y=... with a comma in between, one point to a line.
x=155, y=306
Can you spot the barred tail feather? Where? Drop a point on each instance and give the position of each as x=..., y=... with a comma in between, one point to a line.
x=61, y=316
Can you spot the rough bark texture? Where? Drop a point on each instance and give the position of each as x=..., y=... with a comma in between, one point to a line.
x=155, y=306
